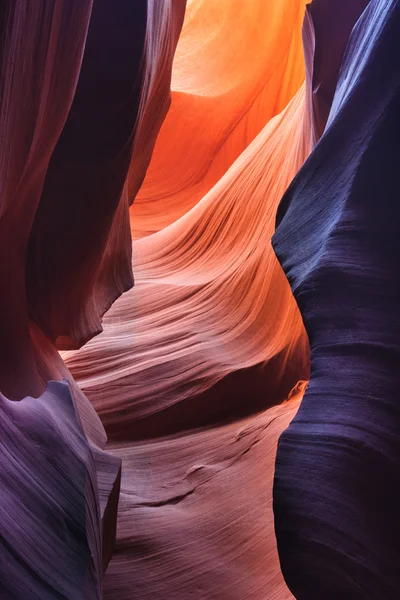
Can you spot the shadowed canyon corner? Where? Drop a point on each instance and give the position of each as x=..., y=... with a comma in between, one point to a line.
x=199, y=300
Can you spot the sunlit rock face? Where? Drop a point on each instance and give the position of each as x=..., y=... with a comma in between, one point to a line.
x=237, y=64
x=210, y=298
x=182, y=126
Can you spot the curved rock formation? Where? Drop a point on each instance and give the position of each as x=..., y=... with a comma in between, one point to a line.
x=196, y=514
x=70, y=286
x=36, y=94
x=210, y=298
x=336, y=491
x=50, y=539
x=236, y=67
x=77, y=83
x=204, y=362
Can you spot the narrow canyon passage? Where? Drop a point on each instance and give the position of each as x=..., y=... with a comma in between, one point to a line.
x=199, y=291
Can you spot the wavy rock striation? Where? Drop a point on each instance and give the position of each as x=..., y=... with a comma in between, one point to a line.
x=236, y=66
x=202, y=364
x=336, y=491
x=210, y=298
x=78, y=83
x=50, y=537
